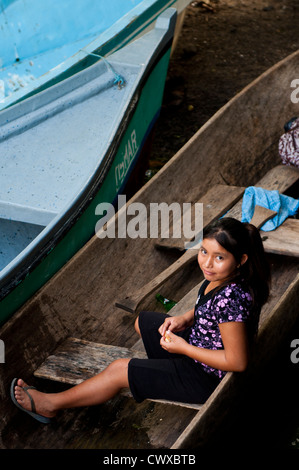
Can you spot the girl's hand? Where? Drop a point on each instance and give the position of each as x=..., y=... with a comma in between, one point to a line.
x=173, y=343
x=173, y=324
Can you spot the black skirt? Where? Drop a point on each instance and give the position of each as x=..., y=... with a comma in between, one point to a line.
x=164, y=375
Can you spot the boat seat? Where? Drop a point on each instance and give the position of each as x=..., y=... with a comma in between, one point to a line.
x=284, y=240
x=19, y=226
x=76, y=360
x=279, y=178
x=215, y=203
x=26, y=214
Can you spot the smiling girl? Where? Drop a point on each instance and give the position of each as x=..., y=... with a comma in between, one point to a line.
x=215, y=336
x=188, y=355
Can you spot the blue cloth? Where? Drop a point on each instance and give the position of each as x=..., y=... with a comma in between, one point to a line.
x=285, y=206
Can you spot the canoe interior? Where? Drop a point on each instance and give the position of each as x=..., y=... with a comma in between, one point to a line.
x=79, y=300
x=123, y=424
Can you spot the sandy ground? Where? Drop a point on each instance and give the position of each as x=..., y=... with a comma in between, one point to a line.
x=224, y=45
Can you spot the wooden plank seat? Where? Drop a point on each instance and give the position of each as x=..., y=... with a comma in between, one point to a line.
x=284, y=240
x=77, y=360
x=215, y=203
x=279, y=178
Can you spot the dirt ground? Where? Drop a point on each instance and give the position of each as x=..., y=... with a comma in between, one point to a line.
x=223, y=46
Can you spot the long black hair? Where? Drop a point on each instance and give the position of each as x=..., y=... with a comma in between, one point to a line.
x=240, y=238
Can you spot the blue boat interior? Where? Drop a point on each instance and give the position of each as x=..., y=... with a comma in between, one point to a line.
x=14, y=237
x=36, y=36
x=58, y=144
x=53, y=157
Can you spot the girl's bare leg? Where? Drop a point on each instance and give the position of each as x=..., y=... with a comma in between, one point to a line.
x=136, y=325
x=93, y=391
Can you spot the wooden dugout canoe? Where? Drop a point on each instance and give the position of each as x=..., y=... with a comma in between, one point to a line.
x=237, y=147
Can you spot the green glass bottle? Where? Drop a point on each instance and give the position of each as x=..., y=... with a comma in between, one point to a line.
x=167, y=303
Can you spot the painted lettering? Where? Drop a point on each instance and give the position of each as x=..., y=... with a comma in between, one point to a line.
x=123, y=167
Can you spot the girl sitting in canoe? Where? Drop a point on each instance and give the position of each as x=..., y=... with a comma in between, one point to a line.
x=188, y=355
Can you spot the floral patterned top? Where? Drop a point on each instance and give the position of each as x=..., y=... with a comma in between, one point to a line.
x=232, y=302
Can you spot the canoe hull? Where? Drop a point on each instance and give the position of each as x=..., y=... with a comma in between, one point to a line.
x=79, y=300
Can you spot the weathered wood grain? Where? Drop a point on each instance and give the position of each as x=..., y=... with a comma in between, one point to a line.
x=215, y=203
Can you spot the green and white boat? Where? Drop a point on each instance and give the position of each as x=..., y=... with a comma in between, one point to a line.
x=67, y=149
x=44, y=42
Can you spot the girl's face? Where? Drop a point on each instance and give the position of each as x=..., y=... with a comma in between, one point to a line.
x=216, y=263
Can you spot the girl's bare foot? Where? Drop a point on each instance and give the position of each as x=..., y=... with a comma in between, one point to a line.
x=42, y=401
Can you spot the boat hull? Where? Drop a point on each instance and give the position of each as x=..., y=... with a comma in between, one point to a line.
x=79, y=301
x=71, y=229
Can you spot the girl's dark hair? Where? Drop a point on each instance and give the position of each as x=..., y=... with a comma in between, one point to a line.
x=242, y=238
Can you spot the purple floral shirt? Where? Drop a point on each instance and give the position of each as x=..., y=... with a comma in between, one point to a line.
x=231, y=303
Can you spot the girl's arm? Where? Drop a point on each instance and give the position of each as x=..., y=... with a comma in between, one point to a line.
x=234, y=356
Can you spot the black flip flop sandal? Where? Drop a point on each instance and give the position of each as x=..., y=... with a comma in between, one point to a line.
x=33, y=414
